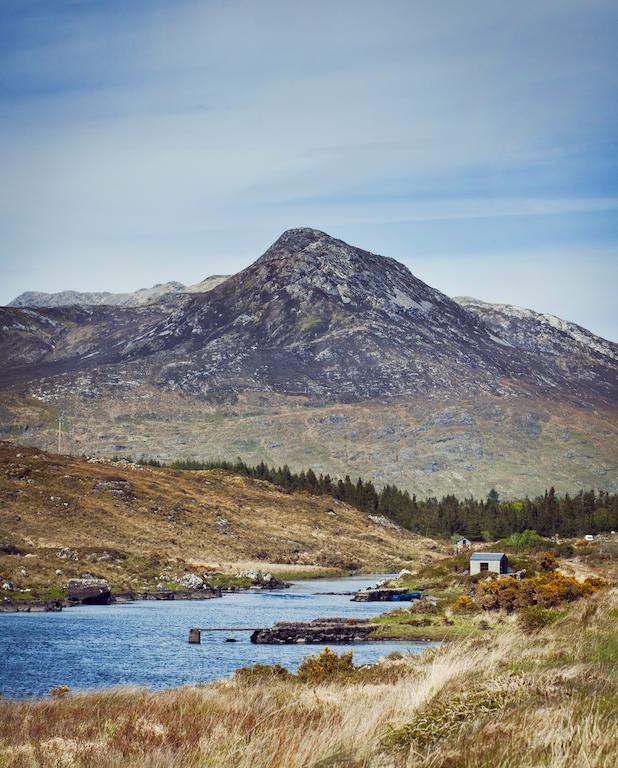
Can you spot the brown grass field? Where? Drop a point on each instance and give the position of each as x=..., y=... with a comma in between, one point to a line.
x=129, y=523
x=510, y=699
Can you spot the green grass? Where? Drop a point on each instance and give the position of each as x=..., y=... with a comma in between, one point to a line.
x=405, y=626
x=227, y=581
x=53, y=593
x=318, y=573
x=603, y=649
x=17, y=596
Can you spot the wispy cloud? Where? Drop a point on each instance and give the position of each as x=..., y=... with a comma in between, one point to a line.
x=186, y=134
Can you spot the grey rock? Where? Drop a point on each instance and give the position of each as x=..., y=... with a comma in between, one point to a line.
x=89, y=590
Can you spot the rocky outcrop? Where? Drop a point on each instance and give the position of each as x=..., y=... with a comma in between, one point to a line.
x=329, y=631
x=205, y=593
x=192, y=581
x=89, y=591
x=116, y=486
x=381, y=594
x=263, y=580
x=30, y=606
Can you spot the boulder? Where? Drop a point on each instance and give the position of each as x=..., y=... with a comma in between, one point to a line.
x=116, y=486
x=192, y=581
x=89, y=591
x=263, y=580
x=67, y=554
x=384, y=522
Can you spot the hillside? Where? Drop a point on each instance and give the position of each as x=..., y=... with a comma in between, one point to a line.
x=382, y=375
x=129, y=524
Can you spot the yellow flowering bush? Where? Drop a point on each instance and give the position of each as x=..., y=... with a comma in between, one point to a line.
x=464, y=603
x=547, y=591
x=324, y=665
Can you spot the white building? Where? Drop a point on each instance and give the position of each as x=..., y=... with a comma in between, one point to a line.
x=462, y=544
x=488, y=562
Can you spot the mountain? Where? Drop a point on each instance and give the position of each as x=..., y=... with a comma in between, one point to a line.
x=541, y=333
x=135, y=299
x=325, y=354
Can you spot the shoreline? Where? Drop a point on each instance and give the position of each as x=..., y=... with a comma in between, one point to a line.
x=121, y=598
x=280, y=579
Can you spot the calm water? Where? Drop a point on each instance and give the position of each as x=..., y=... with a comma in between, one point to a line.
x=145, y=643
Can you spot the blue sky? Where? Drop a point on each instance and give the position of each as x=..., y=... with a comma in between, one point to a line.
x=147, y=141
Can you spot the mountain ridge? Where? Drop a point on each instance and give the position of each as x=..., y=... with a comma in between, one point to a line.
x=97, y=298
x=315, y=324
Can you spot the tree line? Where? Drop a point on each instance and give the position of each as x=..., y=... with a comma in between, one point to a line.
x=490, y=518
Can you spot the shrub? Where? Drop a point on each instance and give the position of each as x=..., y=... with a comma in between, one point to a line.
x=535, y=617
x=593, y=584
x=564, y=549
x=499, y=593
x=444, y=714
x=547, y=590
x=464, y=603
x=547, y=561
x=555, y=588
x=59, y=692
x=526, y=540
x=423, y=606
x=259, y=673
x=324, y=665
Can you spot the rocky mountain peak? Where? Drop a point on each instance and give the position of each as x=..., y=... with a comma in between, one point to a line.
x=306, y=245
x=309, y=265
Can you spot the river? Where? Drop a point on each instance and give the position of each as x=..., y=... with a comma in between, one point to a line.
x=145, y=643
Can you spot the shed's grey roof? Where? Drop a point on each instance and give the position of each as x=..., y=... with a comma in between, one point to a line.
x=487, y=556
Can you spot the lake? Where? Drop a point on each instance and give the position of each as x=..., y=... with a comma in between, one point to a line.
x=145, y=643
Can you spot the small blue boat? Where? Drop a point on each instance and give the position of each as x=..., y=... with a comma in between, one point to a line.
x=406, y=597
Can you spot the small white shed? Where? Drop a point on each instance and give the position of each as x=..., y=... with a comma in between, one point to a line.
x=488, y=562
x=462, y=544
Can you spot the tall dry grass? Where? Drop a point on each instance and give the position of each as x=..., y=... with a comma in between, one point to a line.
x=509, y=700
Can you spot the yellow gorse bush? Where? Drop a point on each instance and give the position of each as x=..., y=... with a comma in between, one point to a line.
x=547, y=590
x=464, y=603
x=325, y=664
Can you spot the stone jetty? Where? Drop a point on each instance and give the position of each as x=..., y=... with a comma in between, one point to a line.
x=323, y=631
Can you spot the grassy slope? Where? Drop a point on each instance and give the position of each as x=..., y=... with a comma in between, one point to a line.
x=175, y=519
x=426, y=445
x=508, y=699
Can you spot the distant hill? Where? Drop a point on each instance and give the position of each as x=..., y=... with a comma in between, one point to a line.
x=325, y=355
x=134, y=299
